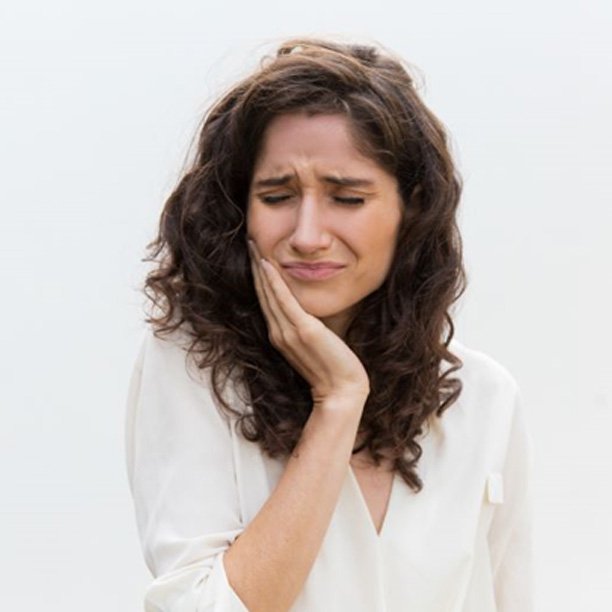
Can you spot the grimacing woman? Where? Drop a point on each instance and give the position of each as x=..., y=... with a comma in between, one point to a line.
x=303, y=431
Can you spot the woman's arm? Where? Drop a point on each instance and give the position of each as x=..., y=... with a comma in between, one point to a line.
x=182, y=476
x=269, y=562
x=181, y=472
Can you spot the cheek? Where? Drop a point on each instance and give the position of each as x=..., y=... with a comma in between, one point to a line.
x=376, y=240
x=376, y=251
x=251, y=218
x=264, y=228
x=255, y=223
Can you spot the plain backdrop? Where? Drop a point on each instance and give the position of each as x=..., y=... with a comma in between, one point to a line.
x=99, y=103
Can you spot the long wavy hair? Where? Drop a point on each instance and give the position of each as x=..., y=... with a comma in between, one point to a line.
x=202, y=280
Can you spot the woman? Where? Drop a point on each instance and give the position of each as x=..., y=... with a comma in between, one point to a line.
x=295, y=437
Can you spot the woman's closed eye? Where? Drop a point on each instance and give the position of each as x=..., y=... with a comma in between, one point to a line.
x=274, y=199
x=271, y=199
x=347, y=200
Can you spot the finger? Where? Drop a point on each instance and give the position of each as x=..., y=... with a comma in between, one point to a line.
x=266, y=288
x=263, y=293
x=258, y=280
x=288, y=308
x=272, y=299
x=268, y=284
x=298, y=329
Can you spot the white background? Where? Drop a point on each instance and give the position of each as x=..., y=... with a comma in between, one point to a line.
x=98, y=106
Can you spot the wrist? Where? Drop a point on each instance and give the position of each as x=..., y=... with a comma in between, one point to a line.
x=343, y=403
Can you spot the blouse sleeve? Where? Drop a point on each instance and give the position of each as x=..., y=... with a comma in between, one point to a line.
x=510, y=534
x=182, y=480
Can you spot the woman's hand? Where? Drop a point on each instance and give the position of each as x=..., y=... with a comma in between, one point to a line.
x=317, y=353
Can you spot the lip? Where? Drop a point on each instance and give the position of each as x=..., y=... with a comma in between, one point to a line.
x=312, y=266
x=318, y=271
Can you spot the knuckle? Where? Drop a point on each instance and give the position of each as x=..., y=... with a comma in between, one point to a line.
x=307, y=333
x=289, y=337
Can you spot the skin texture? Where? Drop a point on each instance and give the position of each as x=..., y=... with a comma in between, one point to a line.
x=306, y=219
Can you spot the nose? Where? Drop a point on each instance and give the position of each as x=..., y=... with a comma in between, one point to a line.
x=310, y=232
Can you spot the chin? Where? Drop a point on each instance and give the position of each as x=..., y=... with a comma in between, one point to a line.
x=321, y=310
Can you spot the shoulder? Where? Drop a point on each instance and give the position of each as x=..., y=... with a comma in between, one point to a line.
x=171, y=365
x=170, y=345
x=165, y=360
x=481, y=373
x=489, y=397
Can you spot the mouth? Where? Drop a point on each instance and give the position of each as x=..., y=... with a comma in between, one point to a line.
x=313, y=272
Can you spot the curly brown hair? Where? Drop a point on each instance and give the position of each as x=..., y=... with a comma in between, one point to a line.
x=202, y=280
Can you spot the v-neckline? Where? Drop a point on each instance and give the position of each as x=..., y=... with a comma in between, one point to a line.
x=364, y=505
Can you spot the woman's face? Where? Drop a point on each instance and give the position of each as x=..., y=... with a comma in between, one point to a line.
x=325, y=216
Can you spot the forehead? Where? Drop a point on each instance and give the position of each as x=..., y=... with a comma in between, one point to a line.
x=297, y=138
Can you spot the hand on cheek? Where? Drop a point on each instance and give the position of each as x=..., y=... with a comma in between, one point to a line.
x=317, y=353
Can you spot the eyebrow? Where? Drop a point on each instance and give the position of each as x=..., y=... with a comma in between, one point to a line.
x=342, y=181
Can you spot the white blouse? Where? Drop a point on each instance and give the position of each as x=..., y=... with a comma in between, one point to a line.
x=463, y=544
